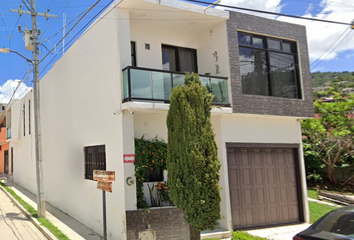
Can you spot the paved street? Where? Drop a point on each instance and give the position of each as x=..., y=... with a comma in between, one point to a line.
x=13, y=223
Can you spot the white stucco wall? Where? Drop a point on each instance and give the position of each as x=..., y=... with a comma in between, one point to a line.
x=237, y=128
x=24, y=161
x=80, y=106
x=229, y=128
x=205, y=42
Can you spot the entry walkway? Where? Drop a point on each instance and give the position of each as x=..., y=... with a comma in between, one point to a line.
x=280, y=233
x=69, y=226
x=14, y=224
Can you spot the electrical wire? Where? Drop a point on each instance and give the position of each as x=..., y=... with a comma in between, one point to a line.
x=332, y=49
x=330, y=46
x=83, y=29
x=50, y=26
x=71, y=29
x=4, y=23
x=65, y=26
x=267, y=12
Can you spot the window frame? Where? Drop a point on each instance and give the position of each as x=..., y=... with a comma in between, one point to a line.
x=24, y=119
x=97, y=162
x=293, y=52
x=177, y=57
x=29, y=116
x=155, y=175
x=133, y=53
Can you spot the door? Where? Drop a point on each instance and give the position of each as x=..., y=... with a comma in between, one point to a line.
x=12, y=160
x=6, y=158
x=263, y=186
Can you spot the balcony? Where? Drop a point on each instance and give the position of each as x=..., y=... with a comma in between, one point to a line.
x=8, y=133
x=152, y=85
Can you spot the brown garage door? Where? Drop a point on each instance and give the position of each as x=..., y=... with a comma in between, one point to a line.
x=263, y=186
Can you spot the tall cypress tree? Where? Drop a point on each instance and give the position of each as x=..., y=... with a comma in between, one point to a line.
x=192, y=162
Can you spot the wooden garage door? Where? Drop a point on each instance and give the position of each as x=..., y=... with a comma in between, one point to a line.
x=263, y=186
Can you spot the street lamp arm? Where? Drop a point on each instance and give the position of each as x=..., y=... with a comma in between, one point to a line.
x=28, y=60
x=7, y=50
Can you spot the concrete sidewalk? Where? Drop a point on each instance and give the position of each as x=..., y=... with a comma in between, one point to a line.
x=14, y=224
x=73, y=229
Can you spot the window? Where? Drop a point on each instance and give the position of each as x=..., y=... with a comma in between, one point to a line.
x=154, y=176
x=24, y=119
x=133, y=53
x=268, y=66
x=29, y=116
x=177, y=59
x=95, y=159
x=3, y=108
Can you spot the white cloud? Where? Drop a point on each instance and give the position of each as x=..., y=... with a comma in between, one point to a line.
x=320, y=35
x=8, y=88
x=268, y=5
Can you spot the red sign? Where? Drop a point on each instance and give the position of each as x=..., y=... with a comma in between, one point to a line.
x=105, y=186
x=129, y=158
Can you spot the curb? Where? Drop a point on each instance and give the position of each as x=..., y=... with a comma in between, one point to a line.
x=38, y=225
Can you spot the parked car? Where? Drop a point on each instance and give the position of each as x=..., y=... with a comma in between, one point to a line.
x=335, y=225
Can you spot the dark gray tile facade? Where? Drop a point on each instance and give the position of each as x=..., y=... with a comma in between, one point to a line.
x=266, y=105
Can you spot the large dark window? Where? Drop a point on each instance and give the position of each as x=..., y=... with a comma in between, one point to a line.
x=154, y=176
x=177, y=59
x=269, y=66
x=95, y=159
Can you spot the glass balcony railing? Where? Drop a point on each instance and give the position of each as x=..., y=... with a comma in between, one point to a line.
x=8, y=133
x=143, y=84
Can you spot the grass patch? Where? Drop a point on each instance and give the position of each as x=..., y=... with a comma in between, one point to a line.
x=317, y=210
x=239, y=235
x=53, y=229
x=312, y=193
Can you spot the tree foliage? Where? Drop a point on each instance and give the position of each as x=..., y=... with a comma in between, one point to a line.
x=192, y=162
x=329, y=136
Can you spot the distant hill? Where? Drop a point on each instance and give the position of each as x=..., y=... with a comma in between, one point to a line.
x=340, y=81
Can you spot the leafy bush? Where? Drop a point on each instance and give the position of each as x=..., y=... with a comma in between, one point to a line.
x=150, y=154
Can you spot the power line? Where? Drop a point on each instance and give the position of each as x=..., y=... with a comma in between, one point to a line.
x=319, y=57
x=333, y=49
x=71, y=29
x=4, y=23
x=50, y=26
x=267, y=12
x=65, y=26
x=83, y=29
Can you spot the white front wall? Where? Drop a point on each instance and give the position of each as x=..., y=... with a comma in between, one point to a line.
x=228, y=128
x=24, y=161
x=80, y=106
x=205, y=42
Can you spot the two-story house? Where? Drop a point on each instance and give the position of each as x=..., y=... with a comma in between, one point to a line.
x=113, y=85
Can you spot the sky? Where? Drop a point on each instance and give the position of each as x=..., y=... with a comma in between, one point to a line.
x=331, y=46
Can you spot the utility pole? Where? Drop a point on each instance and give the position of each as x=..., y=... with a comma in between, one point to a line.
x=37, y=117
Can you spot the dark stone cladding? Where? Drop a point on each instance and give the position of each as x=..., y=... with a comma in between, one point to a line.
x=168, y=222
x=266, y=105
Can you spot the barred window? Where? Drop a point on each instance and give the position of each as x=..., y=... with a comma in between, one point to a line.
x=95, y=159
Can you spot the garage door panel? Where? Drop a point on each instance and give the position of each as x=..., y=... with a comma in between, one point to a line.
x=263, y=186
x=245, y=176
x=260, y=196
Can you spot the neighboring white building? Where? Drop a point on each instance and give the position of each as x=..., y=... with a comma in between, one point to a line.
x=113, y=85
